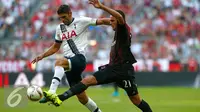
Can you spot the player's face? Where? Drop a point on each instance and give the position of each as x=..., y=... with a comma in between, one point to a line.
x=66, y=18
x=113, y=22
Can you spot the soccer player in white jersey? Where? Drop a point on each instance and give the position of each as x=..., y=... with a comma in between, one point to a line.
x=72, y=33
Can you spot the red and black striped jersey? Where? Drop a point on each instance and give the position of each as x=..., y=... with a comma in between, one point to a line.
x=120, y=50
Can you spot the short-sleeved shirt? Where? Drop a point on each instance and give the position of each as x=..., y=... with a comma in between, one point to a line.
x=120, y=51
x=78, y=32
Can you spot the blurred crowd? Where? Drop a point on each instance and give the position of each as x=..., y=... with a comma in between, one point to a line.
x=162, y=29
x=11, y=12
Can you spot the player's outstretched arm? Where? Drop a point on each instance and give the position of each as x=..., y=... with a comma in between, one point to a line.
x=114, y=13
x=53, y=49
x=103, y=21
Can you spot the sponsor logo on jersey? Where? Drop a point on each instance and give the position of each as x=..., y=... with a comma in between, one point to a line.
x=69, y=35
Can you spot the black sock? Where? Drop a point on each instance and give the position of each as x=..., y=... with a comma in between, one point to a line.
x=76, y=89
x=144, y=106
x=96, y=110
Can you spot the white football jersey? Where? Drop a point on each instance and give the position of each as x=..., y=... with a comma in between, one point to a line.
x=78, y=32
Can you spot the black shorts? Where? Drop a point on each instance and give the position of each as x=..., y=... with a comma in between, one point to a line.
x=122, y=75
x=78, y=64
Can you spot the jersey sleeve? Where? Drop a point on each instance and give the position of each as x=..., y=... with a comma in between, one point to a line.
x=57, y=35
x=89, y=21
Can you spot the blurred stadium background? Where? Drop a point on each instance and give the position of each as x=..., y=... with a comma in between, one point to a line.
x=166, y=43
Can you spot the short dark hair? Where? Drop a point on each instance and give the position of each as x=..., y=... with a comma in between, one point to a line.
x=122, y=13
x=63, y=9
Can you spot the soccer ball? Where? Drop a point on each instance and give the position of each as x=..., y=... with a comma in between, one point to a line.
x=34, y=93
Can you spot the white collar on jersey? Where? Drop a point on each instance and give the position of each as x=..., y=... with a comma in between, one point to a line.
x=71, y=22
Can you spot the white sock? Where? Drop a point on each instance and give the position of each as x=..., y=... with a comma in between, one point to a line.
x=92, y=106
x=59, y=73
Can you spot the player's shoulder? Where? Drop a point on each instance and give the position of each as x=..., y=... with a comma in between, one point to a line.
x=58, y=26
x=82, y=18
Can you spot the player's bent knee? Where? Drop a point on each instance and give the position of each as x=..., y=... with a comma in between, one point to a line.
x=89, y=80
x=135, y=99
x=58, y=63
x=61, y=62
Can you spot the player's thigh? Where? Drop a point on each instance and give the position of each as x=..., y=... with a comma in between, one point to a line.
x=105, y=76
x=78, y=64
x=62, y=62
x=129, y=85
x=126, y=79
x=73, y=77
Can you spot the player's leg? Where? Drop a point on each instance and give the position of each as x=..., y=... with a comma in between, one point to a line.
x=116, y=90
x=74, y=76
x=82, y=97
x=127, y=82
x=140, y=103
x=88, y=102
x=130, y=87
x=60, y=66
x=99, y=77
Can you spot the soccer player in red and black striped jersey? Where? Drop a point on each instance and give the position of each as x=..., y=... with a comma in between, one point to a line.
x=119, y=70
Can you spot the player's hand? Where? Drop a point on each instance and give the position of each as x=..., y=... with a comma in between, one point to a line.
x=95, y=3
x=38, y=58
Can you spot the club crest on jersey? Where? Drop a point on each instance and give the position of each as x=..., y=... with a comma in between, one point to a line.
x=68, y=35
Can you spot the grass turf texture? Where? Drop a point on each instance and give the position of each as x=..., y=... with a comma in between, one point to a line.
x=166, y=99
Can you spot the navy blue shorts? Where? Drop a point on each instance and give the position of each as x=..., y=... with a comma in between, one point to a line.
x=78, y=64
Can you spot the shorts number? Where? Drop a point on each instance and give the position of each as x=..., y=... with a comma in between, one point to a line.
x=127, y=83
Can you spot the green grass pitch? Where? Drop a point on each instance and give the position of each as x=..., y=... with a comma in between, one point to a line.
x=165, y=99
